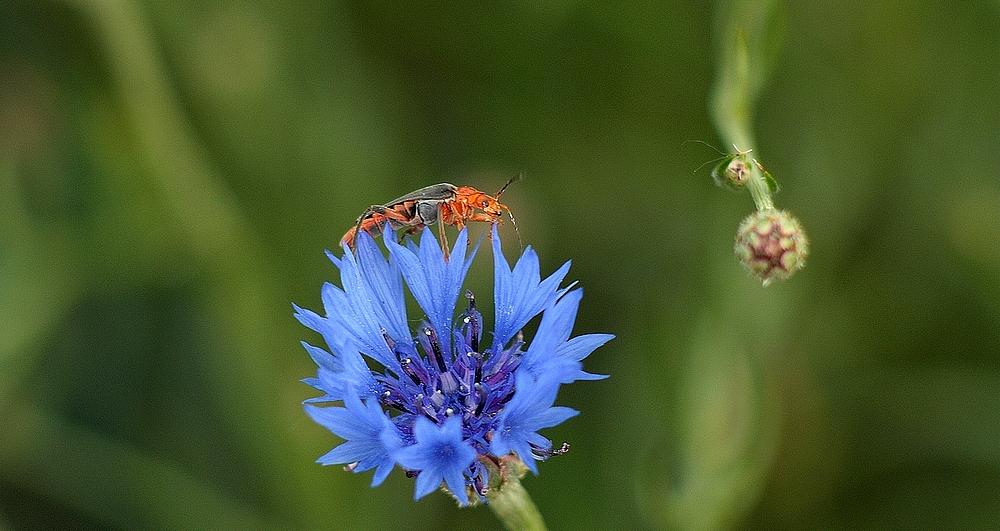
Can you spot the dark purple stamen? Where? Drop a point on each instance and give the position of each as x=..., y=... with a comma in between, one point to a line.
x=407, y=365
x=479, y=367
x=388, y=340
x=503, y=373
x=389, y=399
x=504, y=361
x=435, y=352
x=480, y=394
x=422, y=408
x=473, y=322
x=546, y=453
x=507, y=398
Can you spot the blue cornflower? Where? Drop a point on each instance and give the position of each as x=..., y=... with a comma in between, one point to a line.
x=433, y=400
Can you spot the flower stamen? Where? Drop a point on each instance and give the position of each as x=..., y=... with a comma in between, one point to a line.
x=407, y=365
x=472, y=321
x=436, y=355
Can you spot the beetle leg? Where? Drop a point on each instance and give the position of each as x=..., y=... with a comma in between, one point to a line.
x=444, y=241
x=442, y=221
x=352, y=235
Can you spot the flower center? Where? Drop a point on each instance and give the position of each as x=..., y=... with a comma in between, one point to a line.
x=437, y=383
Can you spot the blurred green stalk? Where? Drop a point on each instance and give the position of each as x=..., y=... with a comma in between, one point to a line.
x=243, y=296
x=749, y=39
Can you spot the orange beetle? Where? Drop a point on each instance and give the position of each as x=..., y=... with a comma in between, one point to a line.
x=444, y=204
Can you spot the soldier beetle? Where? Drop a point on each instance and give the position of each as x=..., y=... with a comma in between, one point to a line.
x=444, y=204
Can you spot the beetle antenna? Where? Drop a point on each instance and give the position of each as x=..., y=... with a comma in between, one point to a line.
x=517, y=177
x=710, y=146
x=730, y=156
x=514, y=223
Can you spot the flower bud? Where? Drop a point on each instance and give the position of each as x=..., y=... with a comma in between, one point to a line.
x=771, y=245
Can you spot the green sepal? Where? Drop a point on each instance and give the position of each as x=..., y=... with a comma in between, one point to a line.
x=772, y=185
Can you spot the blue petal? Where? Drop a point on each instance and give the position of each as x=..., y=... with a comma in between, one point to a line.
x=552, y=352
x=328, y=365
x=370, y=436
x=519, y=294
x=553, y=331
x=370, y=301
x=383, y=283
x=434, y=281
x=439, y=454
x=339, y=374
x=323, y=359
x=309, y=318
x=333, y=333
x=580, y=347
x=530, y=410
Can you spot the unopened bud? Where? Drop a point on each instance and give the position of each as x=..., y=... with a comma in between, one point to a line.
x=772, y=245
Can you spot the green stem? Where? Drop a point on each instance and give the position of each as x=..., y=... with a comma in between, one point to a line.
x=513, y=506
x=749, y=40
x=759, y=190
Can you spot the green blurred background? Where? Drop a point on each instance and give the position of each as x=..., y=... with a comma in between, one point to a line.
x=171, y=171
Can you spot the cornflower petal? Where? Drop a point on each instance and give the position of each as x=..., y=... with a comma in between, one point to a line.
x=349, y=319
x=344, y=369
x=529, y=411
x=553, y=330
x=335, y=334
x=434, y=281
x=371, y=303
x=328, y=365
x=548, y=351
x=382, y=281
x=580, y=347
x=370, y=437
x=519, y=294
x=439, y=454
x=338, y=374
x=323, y=359
x=315, y=322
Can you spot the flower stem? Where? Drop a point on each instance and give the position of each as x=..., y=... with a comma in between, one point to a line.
x=749, y=38
x=513, y=506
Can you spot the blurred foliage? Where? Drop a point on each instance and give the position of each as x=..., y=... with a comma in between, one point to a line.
x=170, y=172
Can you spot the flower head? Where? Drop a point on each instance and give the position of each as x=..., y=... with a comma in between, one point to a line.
x=771, y=245
x=434, y=400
